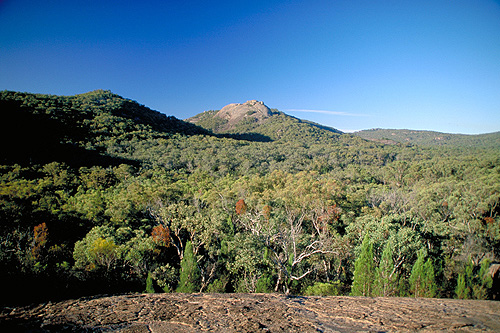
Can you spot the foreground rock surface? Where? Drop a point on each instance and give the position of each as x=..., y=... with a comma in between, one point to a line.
x=251, y=313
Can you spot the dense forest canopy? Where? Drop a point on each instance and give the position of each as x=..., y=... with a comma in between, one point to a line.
x=99, y=194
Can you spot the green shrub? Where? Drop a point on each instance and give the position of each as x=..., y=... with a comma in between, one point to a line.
x=324, y=289
x=264, y=284
x=150, y=289
x=166, y=277
x=218, y=286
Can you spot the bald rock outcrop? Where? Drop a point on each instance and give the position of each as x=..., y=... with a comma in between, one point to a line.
x=236, y=112
x=178, y=313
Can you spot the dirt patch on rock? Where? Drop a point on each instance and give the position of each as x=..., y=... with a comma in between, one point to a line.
x=251, y=313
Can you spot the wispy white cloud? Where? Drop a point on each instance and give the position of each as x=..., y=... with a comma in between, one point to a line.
x=335, y=113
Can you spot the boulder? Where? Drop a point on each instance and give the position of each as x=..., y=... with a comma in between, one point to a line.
x=235, y=113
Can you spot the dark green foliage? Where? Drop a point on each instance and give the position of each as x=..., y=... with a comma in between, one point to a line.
x=324, y=289
x=484, y=281
x=264, y=284
x=189, y=280
x=150, y=289
x=218, y=286
x=462, y=290
x=78, y=129
x=475, y=282
x=386, y=274
x=422, y=278
x=364, y=270
x=87, y=179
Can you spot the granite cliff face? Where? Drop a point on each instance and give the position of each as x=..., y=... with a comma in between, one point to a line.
x=236, y=112
x=234, y=117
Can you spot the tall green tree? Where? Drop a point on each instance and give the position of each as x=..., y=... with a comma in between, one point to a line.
x=465, y=282
x=474, y=282
x=98, y=250
x=462, y=291
x=189, y=280
x=422, y=278
x=386, y=275
x=484, y=281
x=364, y=270
x=150, y=289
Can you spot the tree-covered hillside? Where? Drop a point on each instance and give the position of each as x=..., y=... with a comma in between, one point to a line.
x=429, y=138
x=48, y=127
x=99, y=194
x=252, y=125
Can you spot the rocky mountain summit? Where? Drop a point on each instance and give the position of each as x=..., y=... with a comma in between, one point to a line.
x=236, y=112
x=253, y=120
x=252, y=313
x=233, y=116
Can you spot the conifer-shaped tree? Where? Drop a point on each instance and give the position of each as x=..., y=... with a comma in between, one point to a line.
x=474, y=283
x=150, y=289
x=464, y=282
x=386, y=276
x=484, y=281
x=189, y=280
x=462, y=290
x=364, y=270
x=422, y=278
x=429, y=280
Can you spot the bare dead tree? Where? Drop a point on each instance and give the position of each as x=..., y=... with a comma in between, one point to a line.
x=291, y=246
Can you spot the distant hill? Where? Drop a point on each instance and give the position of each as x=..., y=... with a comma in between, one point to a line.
x=429, y=138
x=38, y=128
x=253, y=120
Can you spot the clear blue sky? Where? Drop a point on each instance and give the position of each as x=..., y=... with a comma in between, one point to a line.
x=432, y=65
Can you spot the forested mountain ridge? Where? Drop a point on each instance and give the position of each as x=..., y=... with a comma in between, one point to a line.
x=85, y=107
x=430, y=138
x=47, y=125
x=254, y=119
x=109, y=196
